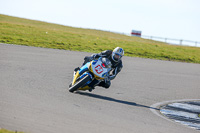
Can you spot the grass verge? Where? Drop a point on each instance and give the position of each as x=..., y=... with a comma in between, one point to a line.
x=20, y=31
x=7, y=131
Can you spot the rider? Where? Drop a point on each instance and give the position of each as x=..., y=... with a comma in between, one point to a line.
x=115, y=58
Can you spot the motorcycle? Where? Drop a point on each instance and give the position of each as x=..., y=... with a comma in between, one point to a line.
x=97, y=69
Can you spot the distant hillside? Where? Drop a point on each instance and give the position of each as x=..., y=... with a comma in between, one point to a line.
x=20, y=31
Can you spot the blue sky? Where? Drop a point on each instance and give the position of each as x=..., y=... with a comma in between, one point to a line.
x=179, y=19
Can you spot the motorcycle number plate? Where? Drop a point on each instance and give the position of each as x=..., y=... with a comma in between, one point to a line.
x=99, y=69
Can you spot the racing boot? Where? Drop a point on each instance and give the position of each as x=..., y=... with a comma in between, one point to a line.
x=91, y=88
x=75, y=70
x=105, y=84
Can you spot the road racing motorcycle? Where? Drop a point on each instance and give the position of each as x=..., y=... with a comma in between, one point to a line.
x=97, y=70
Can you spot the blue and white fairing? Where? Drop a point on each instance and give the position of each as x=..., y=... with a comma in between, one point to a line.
x=97, y=69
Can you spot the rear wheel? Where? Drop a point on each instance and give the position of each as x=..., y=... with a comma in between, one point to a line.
x=80, y=83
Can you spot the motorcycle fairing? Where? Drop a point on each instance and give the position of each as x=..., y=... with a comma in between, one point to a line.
x=94, y=69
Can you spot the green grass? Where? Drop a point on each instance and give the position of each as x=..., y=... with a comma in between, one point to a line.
x=20, y=31
x=6, y=131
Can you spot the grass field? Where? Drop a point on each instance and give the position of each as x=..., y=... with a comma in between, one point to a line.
x=20, y=31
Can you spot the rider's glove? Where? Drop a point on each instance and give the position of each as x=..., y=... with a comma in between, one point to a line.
x=88, y=58
x=91, y=58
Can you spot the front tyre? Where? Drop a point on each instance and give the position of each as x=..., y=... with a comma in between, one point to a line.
x=80, y=83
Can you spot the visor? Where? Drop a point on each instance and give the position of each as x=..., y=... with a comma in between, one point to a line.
x=117, y=57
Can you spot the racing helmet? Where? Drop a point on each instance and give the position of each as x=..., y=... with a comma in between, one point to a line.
x=117, y=54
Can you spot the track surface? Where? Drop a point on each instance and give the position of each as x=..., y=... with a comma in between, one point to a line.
x=34, y=93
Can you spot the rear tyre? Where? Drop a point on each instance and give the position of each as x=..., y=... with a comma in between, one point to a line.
x=80, y=83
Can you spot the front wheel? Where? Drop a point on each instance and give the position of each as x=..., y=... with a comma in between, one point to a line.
x=79, y=83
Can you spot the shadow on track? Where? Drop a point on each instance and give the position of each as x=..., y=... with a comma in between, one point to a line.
x=114, y=100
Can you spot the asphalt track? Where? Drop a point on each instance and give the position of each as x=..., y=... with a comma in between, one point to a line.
x=34, y=95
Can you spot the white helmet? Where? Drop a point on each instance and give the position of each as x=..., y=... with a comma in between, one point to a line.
x=117, y=54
